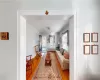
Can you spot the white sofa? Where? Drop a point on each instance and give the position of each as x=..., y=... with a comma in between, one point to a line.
x=63, y=62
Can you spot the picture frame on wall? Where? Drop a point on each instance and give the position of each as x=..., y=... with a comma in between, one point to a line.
x=94, y=37
x=86, y=37
x=86, y=49
x=4, y=35
x=94, y=49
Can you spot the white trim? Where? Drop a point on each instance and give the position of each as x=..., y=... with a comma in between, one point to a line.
x=42, y=12
x=18, y=46
x=36, y=12
x=75, y=46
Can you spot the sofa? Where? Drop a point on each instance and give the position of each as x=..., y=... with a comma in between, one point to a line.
x=62, y=60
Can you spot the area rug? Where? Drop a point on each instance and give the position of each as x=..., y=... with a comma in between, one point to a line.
x=48, y=72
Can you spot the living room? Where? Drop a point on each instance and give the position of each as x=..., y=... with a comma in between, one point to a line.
x=86, y=20
x=48, y=39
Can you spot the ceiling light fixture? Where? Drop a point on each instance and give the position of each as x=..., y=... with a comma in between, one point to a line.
x=46, y=12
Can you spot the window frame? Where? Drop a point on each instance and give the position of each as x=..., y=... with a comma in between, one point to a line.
x=67, y=43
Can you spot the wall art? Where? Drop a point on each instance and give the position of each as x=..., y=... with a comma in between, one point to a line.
x=94, y=37
x=86, y=37
x=4, y=35
x=86, y=49
x=94, y=49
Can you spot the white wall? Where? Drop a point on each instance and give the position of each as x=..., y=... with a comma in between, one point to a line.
x=8, y=48
x=88, y=20
x=47, y=5
x=87, y=15
x=32, y=38
x=8, y=22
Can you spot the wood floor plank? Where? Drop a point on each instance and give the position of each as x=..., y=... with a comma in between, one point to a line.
x=64, y=73
x=35, y=64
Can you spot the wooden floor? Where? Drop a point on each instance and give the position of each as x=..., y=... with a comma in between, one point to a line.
x=64, y=73
x=35, y=64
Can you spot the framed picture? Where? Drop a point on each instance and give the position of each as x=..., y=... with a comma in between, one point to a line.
x=94, y=49
x=86, y=37
x=4, y=35
x=86, y=49
x=94, y=37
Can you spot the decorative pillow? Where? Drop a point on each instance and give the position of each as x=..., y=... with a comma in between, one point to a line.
x=62, y=51
x=66, y=55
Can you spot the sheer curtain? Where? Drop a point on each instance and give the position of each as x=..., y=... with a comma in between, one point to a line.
x=52, y=41
x=65, y=41
x=44, y=44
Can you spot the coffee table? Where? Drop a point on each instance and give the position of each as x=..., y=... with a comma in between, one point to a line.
x=48, y=60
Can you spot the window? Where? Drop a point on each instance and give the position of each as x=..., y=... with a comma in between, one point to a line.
x=65, y=41
x=52, y=39
x=44, y=43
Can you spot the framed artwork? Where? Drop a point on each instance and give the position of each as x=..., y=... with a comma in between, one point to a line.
x=86, y=37
x=94, y=37
x=86, y=49
x=94, y=49
x=4, y=35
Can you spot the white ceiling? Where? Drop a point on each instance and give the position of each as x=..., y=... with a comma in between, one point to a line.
x=55, y=22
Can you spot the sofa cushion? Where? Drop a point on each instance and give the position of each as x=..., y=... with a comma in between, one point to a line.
x=66, y=55
x=63, y=62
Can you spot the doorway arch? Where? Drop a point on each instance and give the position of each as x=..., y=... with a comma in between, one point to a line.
x=21, y=59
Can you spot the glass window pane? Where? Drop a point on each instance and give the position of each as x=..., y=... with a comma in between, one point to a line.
x=64, y=41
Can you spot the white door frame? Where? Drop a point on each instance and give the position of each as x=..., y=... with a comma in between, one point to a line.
x=40, y=12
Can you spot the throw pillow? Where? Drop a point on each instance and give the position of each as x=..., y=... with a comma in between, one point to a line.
x=66, y=55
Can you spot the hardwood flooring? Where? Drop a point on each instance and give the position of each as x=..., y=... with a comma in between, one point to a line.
x=35, y=63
